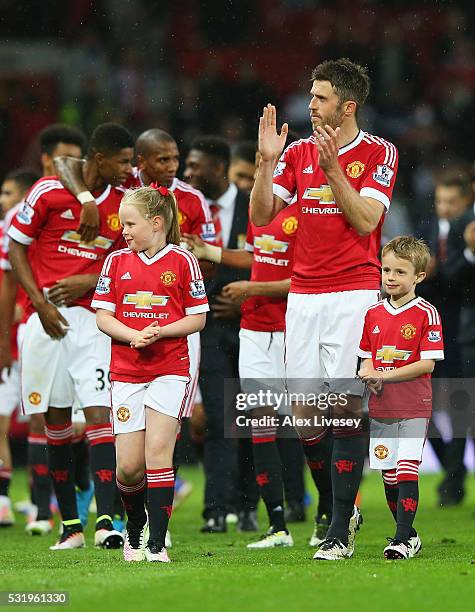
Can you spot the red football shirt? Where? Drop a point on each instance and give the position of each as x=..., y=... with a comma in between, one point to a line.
x=194, y=214
x=50, y=216
x=21, y=299
x=141, y=290
x=329, y=254
x=395, y=337
x=272, y=246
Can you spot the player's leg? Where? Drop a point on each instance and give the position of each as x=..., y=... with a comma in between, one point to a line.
x=88, y=366
x=82, y=465
x=42, y=487
x=406, y=542
x=59, y=433
x=304, y=374
x=219, y=452
x=261, y=369
x=164, y=400
x=9, y=389
x=7, y=518
x=342, y=324
x=46, y=389
x=128, y=417
x=292, y=459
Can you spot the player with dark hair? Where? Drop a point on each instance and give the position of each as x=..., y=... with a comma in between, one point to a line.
x=343, y=179
x=61, y=334
x=157, y=164
x=14, y=188
x=57, y=139
x=243, y=165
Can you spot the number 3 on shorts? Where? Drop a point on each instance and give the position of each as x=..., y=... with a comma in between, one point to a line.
x=101, y=383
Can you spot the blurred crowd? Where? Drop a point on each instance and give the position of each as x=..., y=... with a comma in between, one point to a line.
x=190, y=68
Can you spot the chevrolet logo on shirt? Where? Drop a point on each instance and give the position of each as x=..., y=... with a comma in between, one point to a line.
x=100, y=242
x=145, y=299
x=390, y=354
x=322, y=193
x=268, y=244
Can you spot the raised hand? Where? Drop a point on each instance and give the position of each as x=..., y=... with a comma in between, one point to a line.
x=271, y=144
x=327, y=145
x=195, y=245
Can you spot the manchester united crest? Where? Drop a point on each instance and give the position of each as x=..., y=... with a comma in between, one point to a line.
x=113, y=222
x=181, y=218
x=123, y=414
x=408, y=331
x=381, y=451
x=355, y=169
x=289, y=225
x=34, y=398
x=168, y=278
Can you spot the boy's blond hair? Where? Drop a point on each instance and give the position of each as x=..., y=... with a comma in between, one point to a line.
x=412, y=249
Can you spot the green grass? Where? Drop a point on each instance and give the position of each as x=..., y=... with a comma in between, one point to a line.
x=217, y=572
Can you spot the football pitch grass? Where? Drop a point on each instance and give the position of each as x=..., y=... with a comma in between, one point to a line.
x=217, y=572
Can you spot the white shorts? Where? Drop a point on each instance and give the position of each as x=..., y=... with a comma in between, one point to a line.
x=165, y=394
x=66, y=372
x=261, y=363
x=323, y=334
x=194, y=354
x=10, y=390
x=393, y=440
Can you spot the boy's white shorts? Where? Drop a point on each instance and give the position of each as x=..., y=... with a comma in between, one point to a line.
x=393, y=440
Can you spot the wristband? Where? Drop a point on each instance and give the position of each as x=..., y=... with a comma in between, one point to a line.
x=85, y=196
x=213, y=253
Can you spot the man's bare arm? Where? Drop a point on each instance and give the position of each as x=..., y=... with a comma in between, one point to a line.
x=363, y=214
x=264, y=205
x=52, y=320
x=70, y=173
x=238, y=291
x=235, y=258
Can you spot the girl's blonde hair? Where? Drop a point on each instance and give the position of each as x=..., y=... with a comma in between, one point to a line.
x=161, y=202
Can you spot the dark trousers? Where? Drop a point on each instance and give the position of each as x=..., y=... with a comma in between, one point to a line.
x=219, y=361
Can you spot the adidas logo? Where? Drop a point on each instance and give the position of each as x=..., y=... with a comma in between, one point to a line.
x=67, y=214
x=308, y=170
x=376, y=330
x=125, y=276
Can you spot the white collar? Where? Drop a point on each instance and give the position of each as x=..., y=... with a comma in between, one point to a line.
x=355, y=142
x=395, y=311
x=105, y=194
x=227, y=199
x=151, y=260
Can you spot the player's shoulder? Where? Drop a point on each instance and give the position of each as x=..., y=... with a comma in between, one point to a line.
x=380, y=145
x=180, y=188
x=46, y=185
x=186, y=258
x=430, y=311
x=300, y=145
x=113, y=258
x=375, y=309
